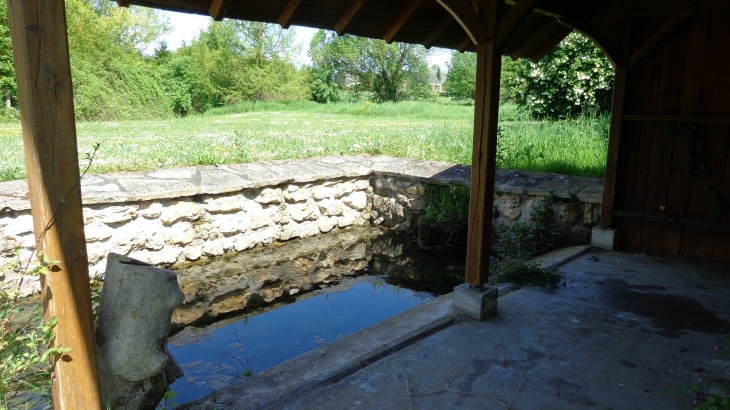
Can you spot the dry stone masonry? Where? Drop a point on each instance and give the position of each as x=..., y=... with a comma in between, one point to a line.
x=174, y=217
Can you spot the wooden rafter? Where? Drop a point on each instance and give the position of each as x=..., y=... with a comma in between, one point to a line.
x=533, y=38
x=440, y=27
x=218, y=9
x=348, y=16
x=514, y=18
x=667, y=28
x=467, y=17
x=550, y=44
x=401, y=20
x=286, y=15
x=608, y=46
x=123, y=3
x=463, y=44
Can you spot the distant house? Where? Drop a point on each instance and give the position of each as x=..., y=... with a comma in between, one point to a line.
x=436, y=79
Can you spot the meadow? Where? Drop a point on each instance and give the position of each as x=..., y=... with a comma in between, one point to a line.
x=260, y=131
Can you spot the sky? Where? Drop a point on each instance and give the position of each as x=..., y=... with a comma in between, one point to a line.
x=185, y=27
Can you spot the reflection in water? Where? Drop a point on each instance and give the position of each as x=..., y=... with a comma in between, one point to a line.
x=342, y=282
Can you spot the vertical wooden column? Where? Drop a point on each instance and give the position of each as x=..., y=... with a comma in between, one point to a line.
x=617, y=120
x=43, y=74
x=484, y=154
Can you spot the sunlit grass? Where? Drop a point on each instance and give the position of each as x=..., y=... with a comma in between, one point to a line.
x=252, y=132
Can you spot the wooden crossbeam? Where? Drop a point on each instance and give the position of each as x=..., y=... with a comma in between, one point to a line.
x=466, y=16
x=533, y=38
x=667, y=28
x=609, y=48
x=123, y=3
x=440, y=27
x=286, y=15
x=513, y=20
x=401, y=20
x=218, y=9
x=348, y=16
x=463, y=44
x=550, y=44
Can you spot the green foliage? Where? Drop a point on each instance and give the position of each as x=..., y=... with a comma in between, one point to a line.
x=235, y=61
x=518, y=243
x=112, y=80
x=25, y=378
x=7, y=71
x=461, y=77
x=575, y=77
x=391, y=72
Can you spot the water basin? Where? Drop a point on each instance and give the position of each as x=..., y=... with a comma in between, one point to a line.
x=297, y=297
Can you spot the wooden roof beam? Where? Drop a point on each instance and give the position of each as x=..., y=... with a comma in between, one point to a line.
x=399, y=22
x=467, y=17
x=654, y=8
x=286, y=15
x=218, y=9
x=667, y=28
x=348, y=16
x=123, y=3
x=550, y=44
x=609, y=47
x=513, y=20
x=463, y=44
x=440, y=27
x=536, y=35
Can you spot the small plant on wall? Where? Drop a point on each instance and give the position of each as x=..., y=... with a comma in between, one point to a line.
x=25, y=378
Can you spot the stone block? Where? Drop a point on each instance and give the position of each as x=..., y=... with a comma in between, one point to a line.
x=181, y=211
x=479, y=303
x=604, y=237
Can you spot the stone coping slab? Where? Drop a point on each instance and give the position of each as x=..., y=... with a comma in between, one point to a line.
x=124, y=187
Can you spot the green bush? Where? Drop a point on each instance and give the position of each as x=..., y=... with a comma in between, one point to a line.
x=573, y=78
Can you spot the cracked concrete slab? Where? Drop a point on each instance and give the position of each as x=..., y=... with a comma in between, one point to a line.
x=622, y=328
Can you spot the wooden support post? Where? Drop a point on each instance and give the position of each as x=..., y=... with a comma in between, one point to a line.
x=484, y=154
x=43, y=74
x=615, y=131
x=614, y=140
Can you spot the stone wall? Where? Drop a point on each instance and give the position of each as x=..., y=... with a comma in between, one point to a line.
x=170, y=218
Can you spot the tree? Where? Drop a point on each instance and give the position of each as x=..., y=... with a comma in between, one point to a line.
x=461, y=78
x=234, y=61
x=575, y=77
x=8, y=89
x=392, y=72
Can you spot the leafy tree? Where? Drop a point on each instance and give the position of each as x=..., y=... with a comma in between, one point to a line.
x=461, y=78
x=234, y=61
x=7, y=72
x=392, y=72
x=573, y=78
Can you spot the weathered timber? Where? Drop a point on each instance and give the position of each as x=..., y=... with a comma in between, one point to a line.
x=43, y=75
x=484, y=154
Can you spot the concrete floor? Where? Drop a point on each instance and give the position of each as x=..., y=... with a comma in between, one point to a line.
x=622, y=328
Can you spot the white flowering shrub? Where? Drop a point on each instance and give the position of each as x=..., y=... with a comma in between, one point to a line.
x=573, y=78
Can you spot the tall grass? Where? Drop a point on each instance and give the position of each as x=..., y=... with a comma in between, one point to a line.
x=258, y=131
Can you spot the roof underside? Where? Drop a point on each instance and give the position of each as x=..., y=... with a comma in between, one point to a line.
x=425, y=21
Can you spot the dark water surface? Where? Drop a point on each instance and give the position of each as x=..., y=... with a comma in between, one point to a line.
x=396, y=276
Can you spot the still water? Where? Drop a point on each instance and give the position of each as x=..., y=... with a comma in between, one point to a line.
x=396, y=276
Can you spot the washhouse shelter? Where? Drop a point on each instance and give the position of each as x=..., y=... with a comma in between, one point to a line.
x=667, y=185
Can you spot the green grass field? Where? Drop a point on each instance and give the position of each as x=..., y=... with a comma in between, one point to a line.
x=253, y=131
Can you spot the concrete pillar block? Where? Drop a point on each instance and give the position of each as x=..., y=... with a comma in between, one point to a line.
x=604, y=237
x=478, y=303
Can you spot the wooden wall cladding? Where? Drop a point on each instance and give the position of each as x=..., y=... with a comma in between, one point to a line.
x=673, y=176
